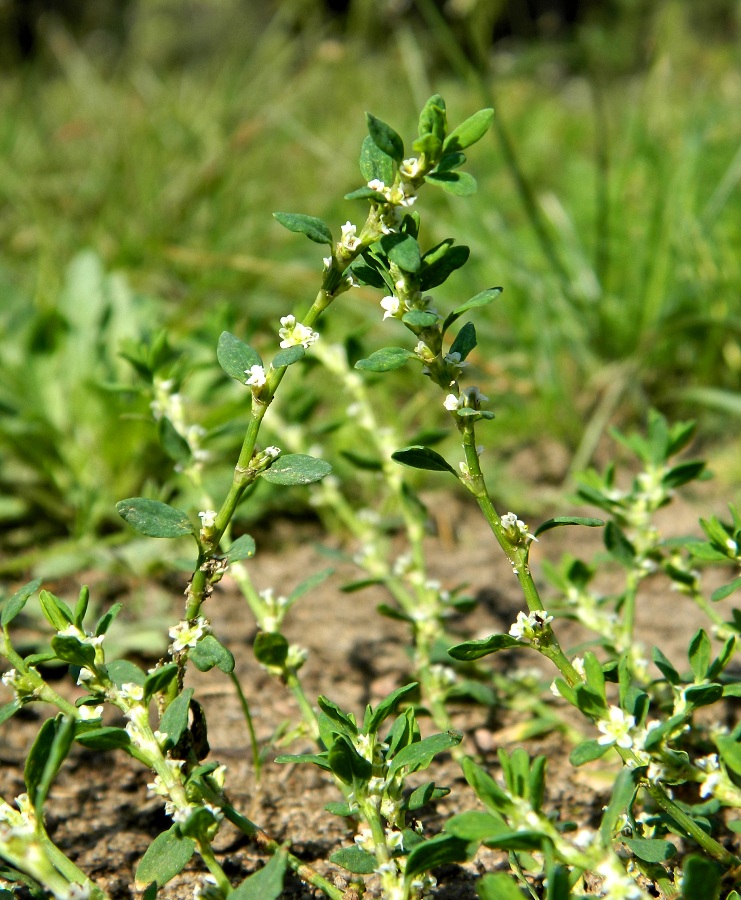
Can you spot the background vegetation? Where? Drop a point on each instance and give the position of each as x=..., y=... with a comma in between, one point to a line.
x=141, y=158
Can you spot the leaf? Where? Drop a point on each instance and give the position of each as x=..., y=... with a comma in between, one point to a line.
x=619, y=545
x=388, y=706
x=15, y=604
x=476, y=825
x=418, y=457
x=559, y=521
x=57, y=613
x=340, y=718
x=483, y=298
x=653, y=851
x=385, y=360
x=317, y=759
x=498, y=886
x=417, y=319
x=682, y=474
x=725, y=590
x=308, y=584
x=173, y=443
x=665, y=667
x=730, y=752
x=154, y=519
x=72, y=650
x=420, y=754
x=470, y=650
x=159, y=679
x=270, y=648
x=315, y=229
x=438, y=851
x=586, y=752
x=123, y=671
x=436, y=266
x=366, y=193
x=385, y=138
x=460, y=184
x=210, y=652
x=469, y=131
x=403, y=250
x=235, y=357
x=9, y=709
x=375, y=164
x=243, y=548
x=288, y=357
x=266, y=883
x=297, y=468
x=699, y=654
x=465, y=340
x=36, y=760
x=174, y=720
x=701, y=879
x=106, y=620
x=167, y=856
x=346, y=763
x=622, y=796
x=107, y=738
x=355, y=860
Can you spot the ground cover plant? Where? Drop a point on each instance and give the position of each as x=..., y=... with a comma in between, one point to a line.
x=668, y=826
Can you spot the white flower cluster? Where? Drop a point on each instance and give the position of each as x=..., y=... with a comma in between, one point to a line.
x=401, y=194
x=516, y=529
x=531, y=626
x=617, y=728
x=187, y=634
x=256, y=377
x=275, y=607
x=293, y=333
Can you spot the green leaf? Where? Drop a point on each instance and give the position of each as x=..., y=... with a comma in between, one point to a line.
x=243, y=548
x=106, y=620
x=622, y=796
x=56, y=612
x=470, y=650
x=375, y=164
x=235, y=357
x=476, y=825
x=341, y=719
x=418, y=457
x=450, y=161
x=362, y=462
x=465, y=340
x=72, y=650
x=403, y=250
x=308, y=584
x=432, y=118
x=726, y=590
x=653, y=851
x=586, y=752
x=107, y=738
x=730, y=752
x=346, y=763
x=619, y=545
x=270, y=648
x=422, y=795
x=460, y=184
x=699, y=654
x=266, y=883
x=288, y=357
x=469, y=131
x=418, y=319
x=438, y=851
x=558, y=521
x=366, y=193
x=665, y=666
x=420, y=754
x=355, y=860
x=167, y=856
x=159, y=679
x=36, y=760
x=682, y=474
x=210, y=652
x=385, y=138
x=15, y=604
x=315, y=229
x=498, y=886
x=436, y=268
x=9, y=709
x=154, y=519
x=317, y=759
x=701, y=879
x=484, y=298
x=385, y=360
x=297, y=468
x=486, y=789
x=387, y=707
x=174, y=720
x=123, y=671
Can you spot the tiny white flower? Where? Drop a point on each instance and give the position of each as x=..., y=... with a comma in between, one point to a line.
x=207, y=517
x=272, y=452
x=88, y=712
x=616, y=729
x=410, y=168
x=185, y=634
x=452, y=402
x=390, y=305
x=256, y=376
x=327, y=260
x=529, y=626
x=377, y=185
x=350, y=241
x=293, y=333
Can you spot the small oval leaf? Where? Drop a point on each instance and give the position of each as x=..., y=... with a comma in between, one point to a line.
x=385, y=360
x=297, y=468
x=235, y=357
x=418, y=457
x=315, y=229
x=153, y=518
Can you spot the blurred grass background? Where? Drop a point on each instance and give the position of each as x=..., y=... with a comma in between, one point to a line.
x=143, y=148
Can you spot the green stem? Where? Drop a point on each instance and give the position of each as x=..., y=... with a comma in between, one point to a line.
x=256, y=758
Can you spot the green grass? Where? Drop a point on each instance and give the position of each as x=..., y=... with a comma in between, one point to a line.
x=622, y=279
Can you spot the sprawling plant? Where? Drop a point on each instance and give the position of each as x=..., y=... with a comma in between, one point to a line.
x=664, y=830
